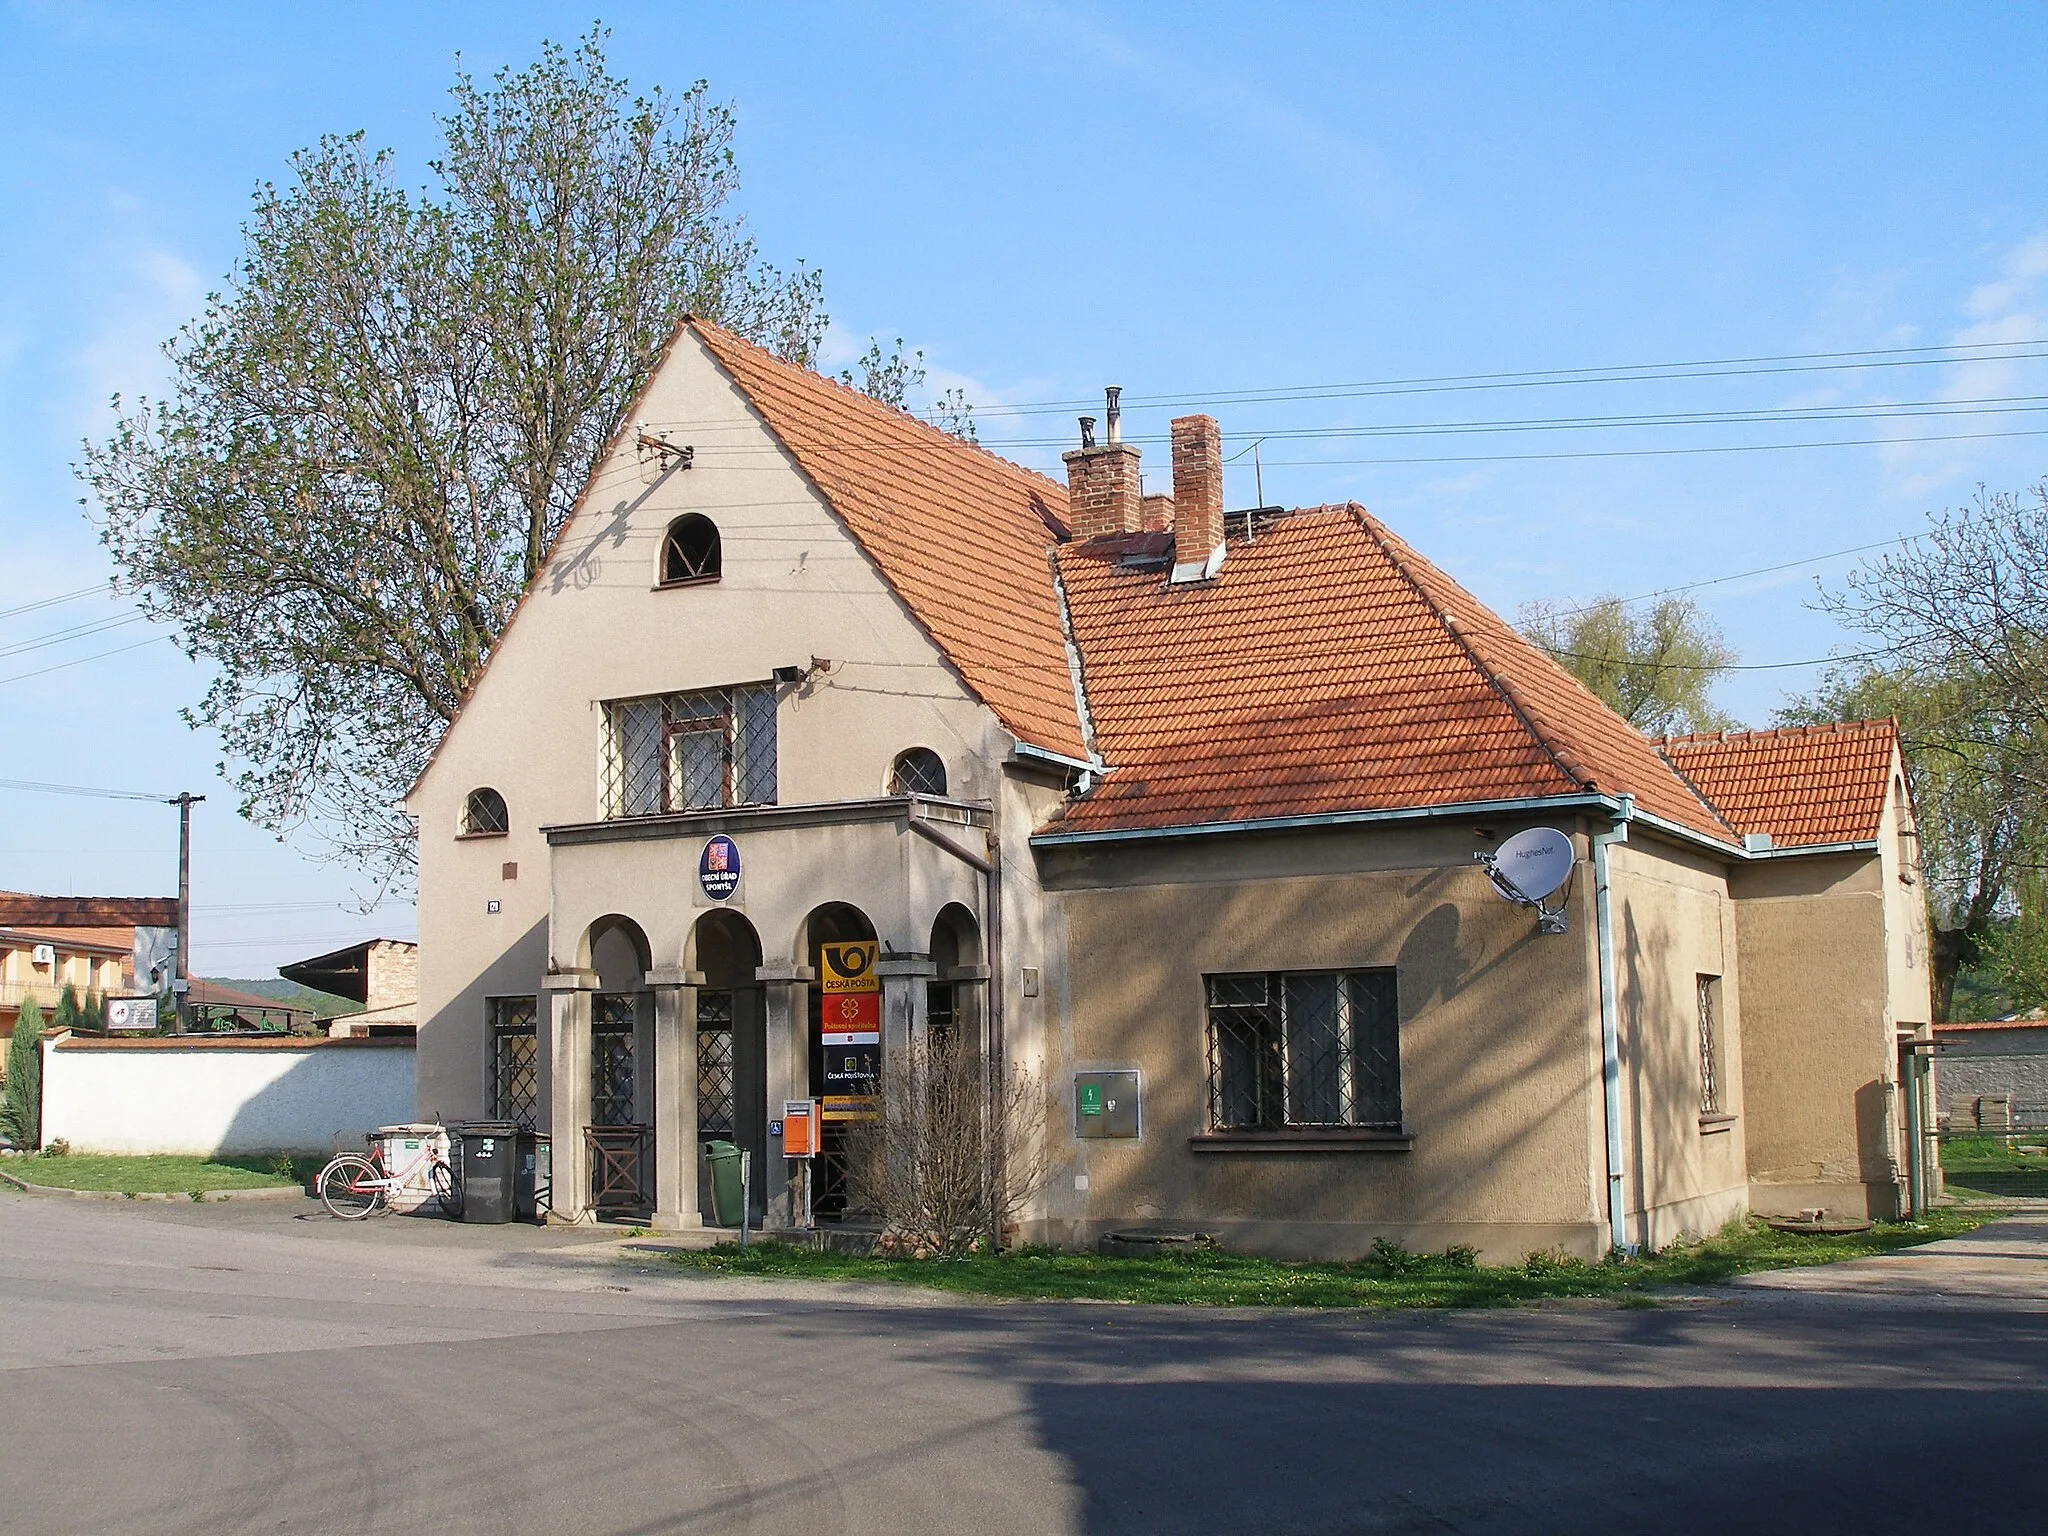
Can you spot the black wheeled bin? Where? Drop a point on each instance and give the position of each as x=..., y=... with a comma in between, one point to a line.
x=488, y=1168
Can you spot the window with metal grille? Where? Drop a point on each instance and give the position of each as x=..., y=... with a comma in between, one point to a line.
x=919, y=771
x=1304, y=1051
x=611, y=1059
x=1710, y=1047
x=714, y=1063
x=690, y=551
x=690, y=751
x=515, y=1060
x=484, y=814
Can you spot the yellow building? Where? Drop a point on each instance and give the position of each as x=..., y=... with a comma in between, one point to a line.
x=1186, y=813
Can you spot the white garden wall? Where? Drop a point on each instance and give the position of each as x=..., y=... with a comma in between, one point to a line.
x=200, y=1096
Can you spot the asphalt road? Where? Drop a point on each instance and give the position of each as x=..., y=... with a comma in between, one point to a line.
x=227, y=1369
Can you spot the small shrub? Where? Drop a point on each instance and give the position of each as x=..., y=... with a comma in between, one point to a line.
x=58, y=1147
x=281, y=1165
x=198, y=1196
x=1543, y=1265
x=1461, y=1256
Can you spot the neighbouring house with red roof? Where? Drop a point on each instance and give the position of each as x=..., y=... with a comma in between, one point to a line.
x=1185, y=812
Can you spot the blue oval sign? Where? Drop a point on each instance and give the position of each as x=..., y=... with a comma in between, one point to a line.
x=718, y=868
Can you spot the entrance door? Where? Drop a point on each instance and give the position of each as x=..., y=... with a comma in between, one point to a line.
x=732, y=1047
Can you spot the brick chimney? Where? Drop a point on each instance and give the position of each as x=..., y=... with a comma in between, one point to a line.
x=1104, y=491
x=1157, y=514
x=1197, y=493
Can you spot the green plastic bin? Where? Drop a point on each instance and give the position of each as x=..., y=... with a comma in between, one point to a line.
x=724, y=1160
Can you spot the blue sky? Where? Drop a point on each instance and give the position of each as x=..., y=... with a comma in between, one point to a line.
x=1185, y=200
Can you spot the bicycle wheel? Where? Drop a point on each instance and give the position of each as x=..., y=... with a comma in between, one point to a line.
x=351, y=1187
x=442, y=1177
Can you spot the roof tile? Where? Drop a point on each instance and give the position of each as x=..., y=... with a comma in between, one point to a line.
x=1803, y=785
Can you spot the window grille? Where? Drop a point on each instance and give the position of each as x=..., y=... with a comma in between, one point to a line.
x=611, y=1059
x=714, y=1063
x=690, y=551
x=515, y=1061
x=919, y=771
x=690, y=751
x=1710, y=1066
x=484, y=814
x=1310, y=1050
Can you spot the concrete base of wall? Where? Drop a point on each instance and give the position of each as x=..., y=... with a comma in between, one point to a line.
x=1501, y=1242
x=1874, y=1200
x=1701, y=1216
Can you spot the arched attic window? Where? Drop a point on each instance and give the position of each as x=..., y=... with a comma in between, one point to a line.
x=484, y=814
x=690, y=551
x=917, y=771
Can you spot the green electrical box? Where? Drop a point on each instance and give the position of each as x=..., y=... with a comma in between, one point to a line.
x=1106, y=1105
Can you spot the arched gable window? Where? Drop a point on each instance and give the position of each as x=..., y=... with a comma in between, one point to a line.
x=689, y=551
x=917, y=771
x=484, y=814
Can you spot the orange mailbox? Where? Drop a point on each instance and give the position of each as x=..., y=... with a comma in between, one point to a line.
x=799, y=1128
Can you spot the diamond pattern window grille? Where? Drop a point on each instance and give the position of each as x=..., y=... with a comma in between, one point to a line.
x=714, y=1063
x=1710, y=1068
x=611, y=1059
x=690, y=751
x=515, y=1061
x=1311, y=1050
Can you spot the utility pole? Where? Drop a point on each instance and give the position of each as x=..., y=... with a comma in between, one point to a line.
x=181, y=976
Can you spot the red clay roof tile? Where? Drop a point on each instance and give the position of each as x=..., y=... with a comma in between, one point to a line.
x=1328, y=667
x=1803, y=785
x=960, y=534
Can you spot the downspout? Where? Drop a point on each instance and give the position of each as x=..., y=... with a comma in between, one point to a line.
x=1610, y=1022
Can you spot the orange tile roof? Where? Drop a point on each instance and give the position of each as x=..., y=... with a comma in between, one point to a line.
x=1328, y=668
x=960, y=534
x=1804, y=785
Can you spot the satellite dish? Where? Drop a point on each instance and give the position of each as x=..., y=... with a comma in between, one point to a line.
x=1532, y=864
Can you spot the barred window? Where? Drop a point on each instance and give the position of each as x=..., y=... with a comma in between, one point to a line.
x=690, y=751
x=917, y=771
x=611, y=1059
x=1710, y=1047
x=1304, y=1050
x=515, y=1060
x=714, y=1062
x=484, y=814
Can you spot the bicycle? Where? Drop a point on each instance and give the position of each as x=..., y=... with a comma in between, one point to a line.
x=356, y=1183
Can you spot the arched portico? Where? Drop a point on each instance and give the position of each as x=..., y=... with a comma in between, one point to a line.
x=600, y=1041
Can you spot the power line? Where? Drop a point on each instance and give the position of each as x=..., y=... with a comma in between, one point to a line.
x=1614, y=373
x=1762, y=570
x=76, y=632
x=1875, y=410
x=22, y=677
x=35, y=787
x=1660, y=453
x=52, y=602
x=1701, y=666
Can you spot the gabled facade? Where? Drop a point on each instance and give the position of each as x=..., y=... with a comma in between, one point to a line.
x=1116, y=787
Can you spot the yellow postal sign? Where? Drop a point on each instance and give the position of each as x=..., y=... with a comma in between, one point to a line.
x=848, y=968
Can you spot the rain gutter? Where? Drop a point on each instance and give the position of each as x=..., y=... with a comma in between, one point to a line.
x=1610, y=1022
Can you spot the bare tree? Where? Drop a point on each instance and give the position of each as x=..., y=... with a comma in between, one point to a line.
x=924, y=1166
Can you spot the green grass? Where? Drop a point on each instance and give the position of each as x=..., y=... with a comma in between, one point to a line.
x=1391, y=1278
x=157, y=1175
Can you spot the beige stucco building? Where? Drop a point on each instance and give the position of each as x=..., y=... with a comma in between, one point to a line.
x=1123, y=786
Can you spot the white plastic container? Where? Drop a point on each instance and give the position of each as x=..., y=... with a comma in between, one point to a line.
x=400, y=1148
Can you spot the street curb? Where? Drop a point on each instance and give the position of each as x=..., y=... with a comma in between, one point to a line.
x=282, y=1192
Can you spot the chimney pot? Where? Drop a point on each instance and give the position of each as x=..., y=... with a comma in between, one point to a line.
x=1105, y=493
x=1112, y=415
